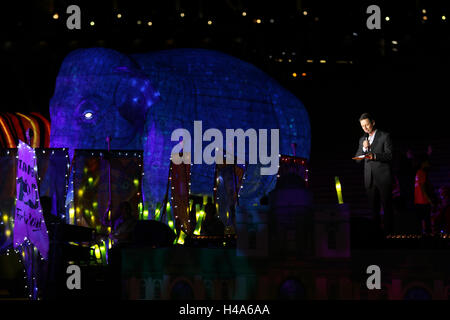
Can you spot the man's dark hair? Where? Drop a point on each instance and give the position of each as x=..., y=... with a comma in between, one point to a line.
x=366, y=116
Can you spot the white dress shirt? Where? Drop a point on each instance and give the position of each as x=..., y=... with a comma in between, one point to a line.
x=371, y=137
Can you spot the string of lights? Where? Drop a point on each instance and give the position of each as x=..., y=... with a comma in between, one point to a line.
x=21, y=250
x=296, y=165
x=181, y=230
x=121, y=15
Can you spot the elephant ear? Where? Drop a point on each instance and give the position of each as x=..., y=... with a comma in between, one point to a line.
x=134, y=96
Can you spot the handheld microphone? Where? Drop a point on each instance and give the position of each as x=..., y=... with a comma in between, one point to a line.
x=366, y=137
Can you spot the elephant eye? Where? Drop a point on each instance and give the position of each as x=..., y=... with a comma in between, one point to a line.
x=88, y=115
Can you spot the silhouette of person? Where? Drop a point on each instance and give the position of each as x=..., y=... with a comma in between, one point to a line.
x=212, y=225
x=124, y=224
x=423, y=195
x=442, y=218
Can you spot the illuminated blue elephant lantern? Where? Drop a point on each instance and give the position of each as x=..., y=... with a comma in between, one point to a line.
x=139, y=100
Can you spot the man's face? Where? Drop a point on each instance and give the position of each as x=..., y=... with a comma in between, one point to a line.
x=367, y=125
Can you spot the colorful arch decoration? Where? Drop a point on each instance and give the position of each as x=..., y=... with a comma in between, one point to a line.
x=13, y=126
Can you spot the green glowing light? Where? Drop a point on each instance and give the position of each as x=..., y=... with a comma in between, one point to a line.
x=339, y=190
x=191, y=203
x=169, y=216
x=140, y=209
x=90, y=180
x=136, y=182
x=97, y=251
x=200, y=215
x=181, y=237
x=71, y=215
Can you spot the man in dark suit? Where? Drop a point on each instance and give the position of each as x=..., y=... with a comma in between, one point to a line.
x=376, y=145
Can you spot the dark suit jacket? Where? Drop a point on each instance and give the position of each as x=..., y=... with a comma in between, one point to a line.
x=378, y=171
